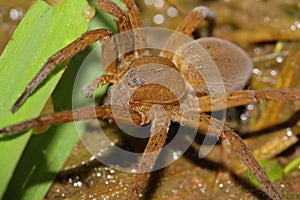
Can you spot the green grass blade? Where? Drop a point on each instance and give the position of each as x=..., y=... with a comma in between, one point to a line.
x=43, y=31
x=45, y=153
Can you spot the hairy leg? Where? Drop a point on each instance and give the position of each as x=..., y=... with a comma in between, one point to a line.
x=110, y=55
x=125, y=37
x=85, y=113
x=109, y=50
x=159, y=130
x=187, y=27
x=110, y=65
x=137, y=25
x=213, y=125
x=244, y=97
x=78, y=45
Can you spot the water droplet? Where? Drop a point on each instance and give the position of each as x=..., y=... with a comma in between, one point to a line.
x=279, y=59
x=244, y=117
x=159, y=3
x=250, y=107
x=289, y=132
x=174, y=191
x=77, y=184
x=16, y=14
x=133, y=170
x=149, y=2
x=297, y=24
x=177, y=154
x=285, y=138
x=293, y=28
x=70, y=180
x=158, y=19
x=202, y=190
x=273, y=72
x=172, y=12
x=257, y=71
x=89, y=12
x=93, y=157
x=257, y=50
x=109, y=176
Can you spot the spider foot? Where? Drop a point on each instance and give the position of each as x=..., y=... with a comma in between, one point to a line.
x=89, y=89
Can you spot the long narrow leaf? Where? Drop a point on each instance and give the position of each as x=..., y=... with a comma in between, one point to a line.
x=44, y=30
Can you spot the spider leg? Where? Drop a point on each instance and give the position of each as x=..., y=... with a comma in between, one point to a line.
x=109, y=50
x=159, y=130
x=125, y=36
x=85, y=113
x=110, y=55
x=246, y=156
x=244, y=97
x=109, y=47
x=213, y=125
x=187, y=27
x=110, y=65
x=78, y=45
x=137, y=25
x=89, y=89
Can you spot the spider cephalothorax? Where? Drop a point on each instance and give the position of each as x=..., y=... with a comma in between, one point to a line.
x=177, y=85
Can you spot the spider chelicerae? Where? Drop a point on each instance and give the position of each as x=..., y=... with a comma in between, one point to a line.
x=179, y=87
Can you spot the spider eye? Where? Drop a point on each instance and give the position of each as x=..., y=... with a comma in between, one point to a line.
x=132, y=80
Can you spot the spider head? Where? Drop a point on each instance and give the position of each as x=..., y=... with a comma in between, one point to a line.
x=149, y=81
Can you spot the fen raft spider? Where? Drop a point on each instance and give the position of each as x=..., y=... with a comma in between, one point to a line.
x=151, y=102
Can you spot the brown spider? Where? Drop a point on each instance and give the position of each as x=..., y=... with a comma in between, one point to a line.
x=134, y=86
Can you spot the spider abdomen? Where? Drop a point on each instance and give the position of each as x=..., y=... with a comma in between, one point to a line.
x=213, y=65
